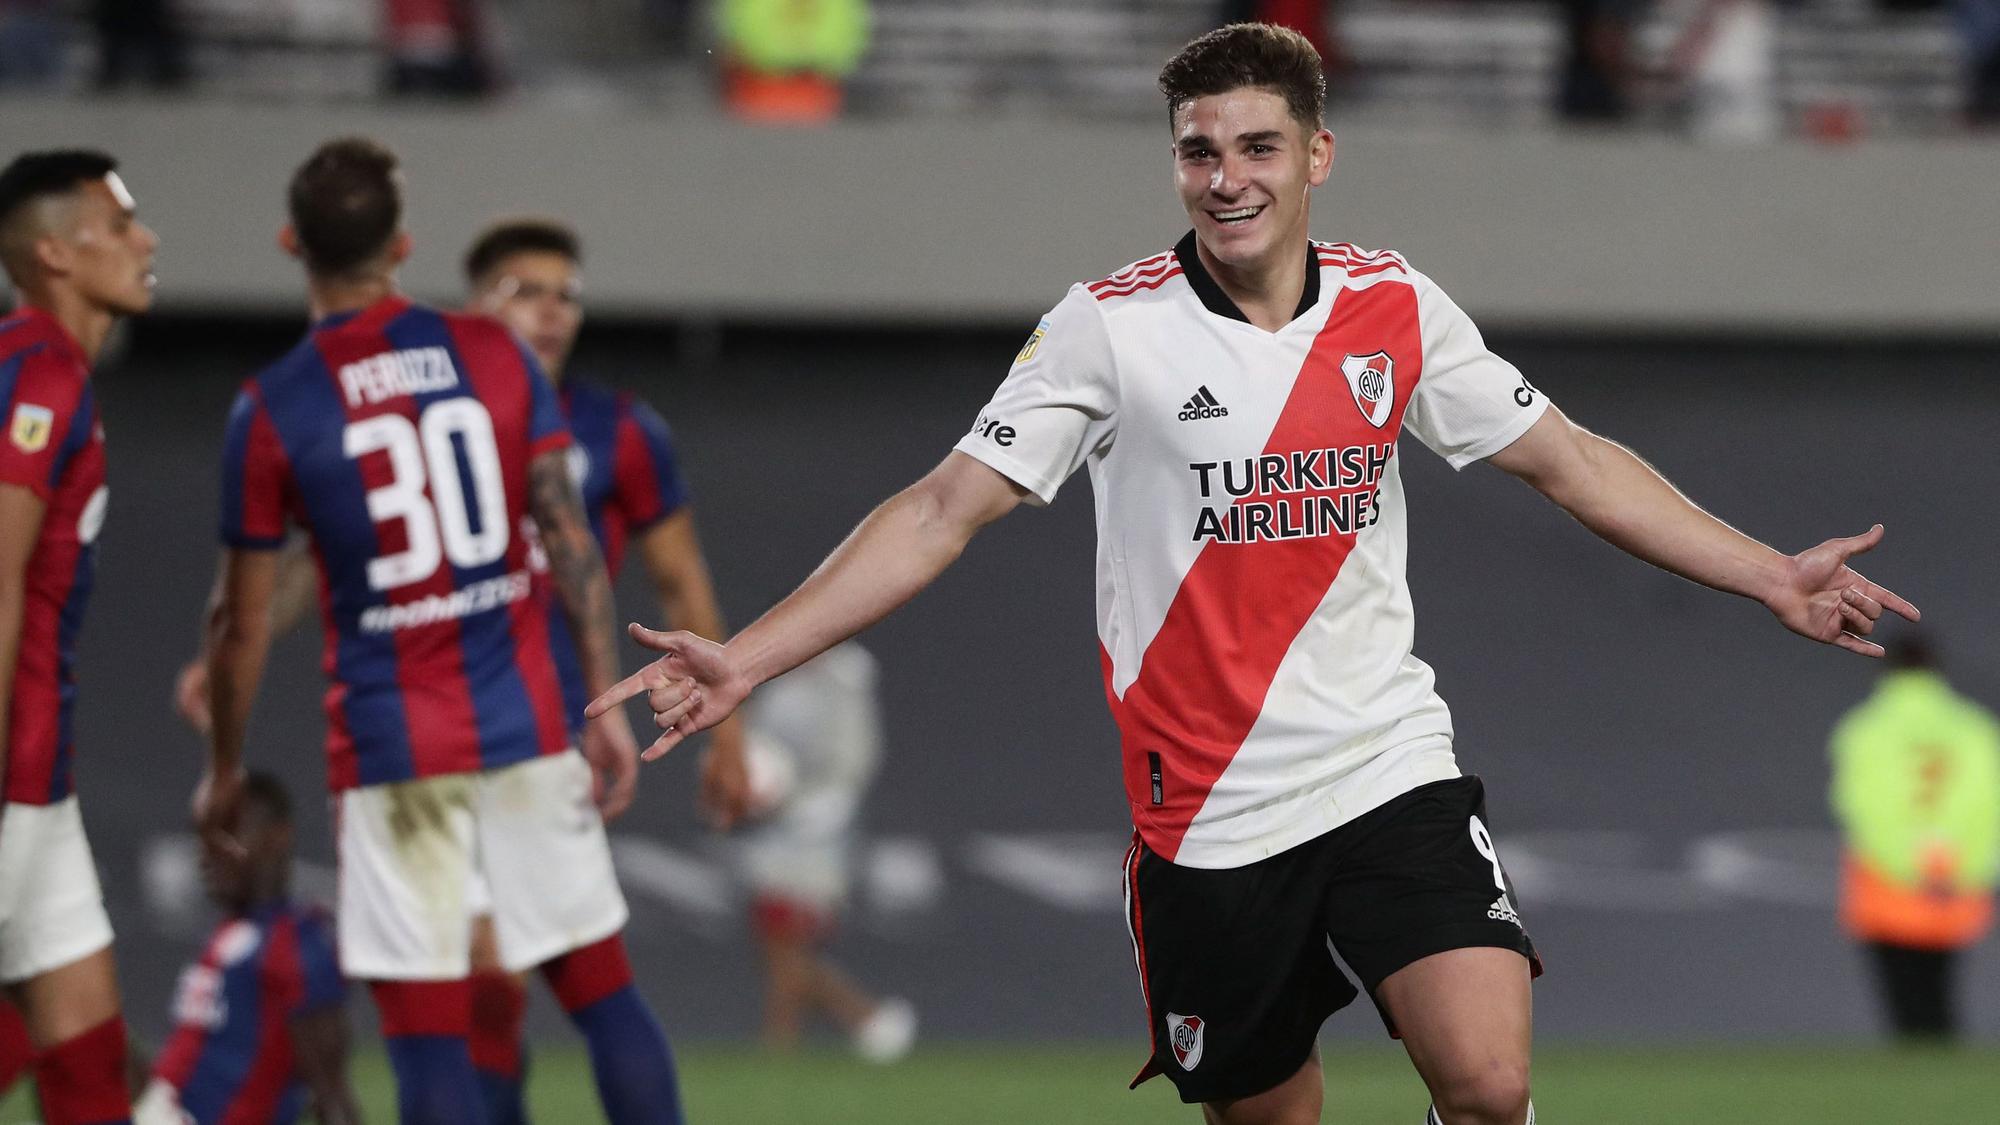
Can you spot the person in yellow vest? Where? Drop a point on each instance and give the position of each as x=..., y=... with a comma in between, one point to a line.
x=787, y=60
x=1916, y=788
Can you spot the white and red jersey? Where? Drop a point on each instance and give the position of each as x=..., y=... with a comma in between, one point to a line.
x=1252, y=602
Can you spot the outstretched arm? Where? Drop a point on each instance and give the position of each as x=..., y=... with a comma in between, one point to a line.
x=899, y=549
x=1615, y=494
x=585, y=590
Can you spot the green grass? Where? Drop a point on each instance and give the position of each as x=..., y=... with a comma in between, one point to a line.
x=1084, y=1084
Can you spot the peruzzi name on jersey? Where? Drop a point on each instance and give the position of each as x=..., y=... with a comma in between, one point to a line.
x=400, y=438
x=1252, y=605
x=51, y=444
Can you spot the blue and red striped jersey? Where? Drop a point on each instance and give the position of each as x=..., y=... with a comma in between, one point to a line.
x=625, y=466
x=53, y=446
x=400, y=437
x=230, y=1056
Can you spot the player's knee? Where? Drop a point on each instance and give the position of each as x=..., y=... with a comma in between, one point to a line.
x=1496, y=1094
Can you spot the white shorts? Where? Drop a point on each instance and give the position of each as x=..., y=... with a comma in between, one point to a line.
x=410, y=851
x=51, y=907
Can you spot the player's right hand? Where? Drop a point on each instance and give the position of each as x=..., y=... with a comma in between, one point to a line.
x=191, y=695
x=690, y=688
x=215, y=805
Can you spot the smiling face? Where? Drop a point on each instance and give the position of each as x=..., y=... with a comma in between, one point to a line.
x=537, y=293
x=1244, y=166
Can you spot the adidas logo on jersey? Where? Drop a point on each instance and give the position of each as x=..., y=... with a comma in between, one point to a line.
x=1503, y=911
x=1203, y=405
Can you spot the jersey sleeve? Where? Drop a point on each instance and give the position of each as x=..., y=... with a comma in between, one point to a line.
x=1057, y=405
x=41, y=408
x=547, y=428
x=255, y=476
x=320, y=986
x=646, y=482
x=1470, y=403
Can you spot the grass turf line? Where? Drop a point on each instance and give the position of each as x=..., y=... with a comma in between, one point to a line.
x=1084, y=1084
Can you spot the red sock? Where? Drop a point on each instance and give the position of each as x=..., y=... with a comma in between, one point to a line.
x=82, y=1080
x=584, y=976
x=499, y=1009
x=17, y=1052
x=423, y=1007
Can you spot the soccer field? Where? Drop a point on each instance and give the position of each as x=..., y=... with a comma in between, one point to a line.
x=1084, y=1084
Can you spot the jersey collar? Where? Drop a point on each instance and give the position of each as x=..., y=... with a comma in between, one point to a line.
x=381, y=312
x=1218, y=302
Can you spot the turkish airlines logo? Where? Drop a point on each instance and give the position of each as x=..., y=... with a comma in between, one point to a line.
x=1184, y=1033
x=1372, y=378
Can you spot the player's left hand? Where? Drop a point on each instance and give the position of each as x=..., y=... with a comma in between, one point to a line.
x=613, y=754
x=724, y=799
x=1823, y=598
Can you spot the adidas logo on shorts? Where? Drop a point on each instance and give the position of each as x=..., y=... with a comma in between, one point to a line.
x=1203, y=405
x=1503, y=911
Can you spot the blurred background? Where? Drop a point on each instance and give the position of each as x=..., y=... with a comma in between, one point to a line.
x=1756, y=241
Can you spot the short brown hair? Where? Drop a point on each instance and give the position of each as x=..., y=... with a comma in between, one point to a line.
x=346, y=204
x=31, y=178
x=1249, y=54
x=525, y=235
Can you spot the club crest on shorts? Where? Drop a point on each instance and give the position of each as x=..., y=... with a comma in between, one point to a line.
x=1372, y=378
x=1184, y=1032
x=31, y=427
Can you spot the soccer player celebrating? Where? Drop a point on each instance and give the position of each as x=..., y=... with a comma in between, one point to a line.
x=260, y=1020
x=79, y=259
x=414, y=446
x=1289, y=764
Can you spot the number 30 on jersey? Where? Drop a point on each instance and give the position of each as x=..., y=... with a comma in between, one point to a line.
x=443, y=523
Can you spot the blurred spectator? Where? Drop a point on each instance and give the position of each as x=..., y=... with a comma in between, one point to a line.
x=437, y=48
x=787, y=60
x=139, y=41
x=1310, y=18
x=1916, y=788
x=1979, y=22
x=815, y=739
x=31, y=45
x=1597, y=68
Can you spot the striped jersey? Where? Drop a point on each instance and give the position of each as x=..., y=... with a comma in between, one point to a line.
x=400, y=437
x=53, y=446
x=1253, y=610
x=624, y=463
x=230, y=1057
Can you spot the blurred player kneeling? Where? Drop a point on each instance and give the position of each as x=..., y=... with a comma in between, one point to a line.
x=260, y=1020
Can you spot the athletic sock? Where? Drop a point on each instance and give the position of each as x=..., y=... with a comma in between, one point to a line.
x=17, y=1051
x=82, y=1079
x=628, y=1050
x=499, y=1053
x=424, y=1027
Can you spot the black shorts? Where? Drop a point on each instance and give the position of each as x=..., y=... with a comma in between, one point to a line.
x=1237, y=964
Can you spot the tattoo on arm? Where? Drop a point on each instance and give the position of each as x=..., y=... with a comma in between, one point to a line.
x=576, y=566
